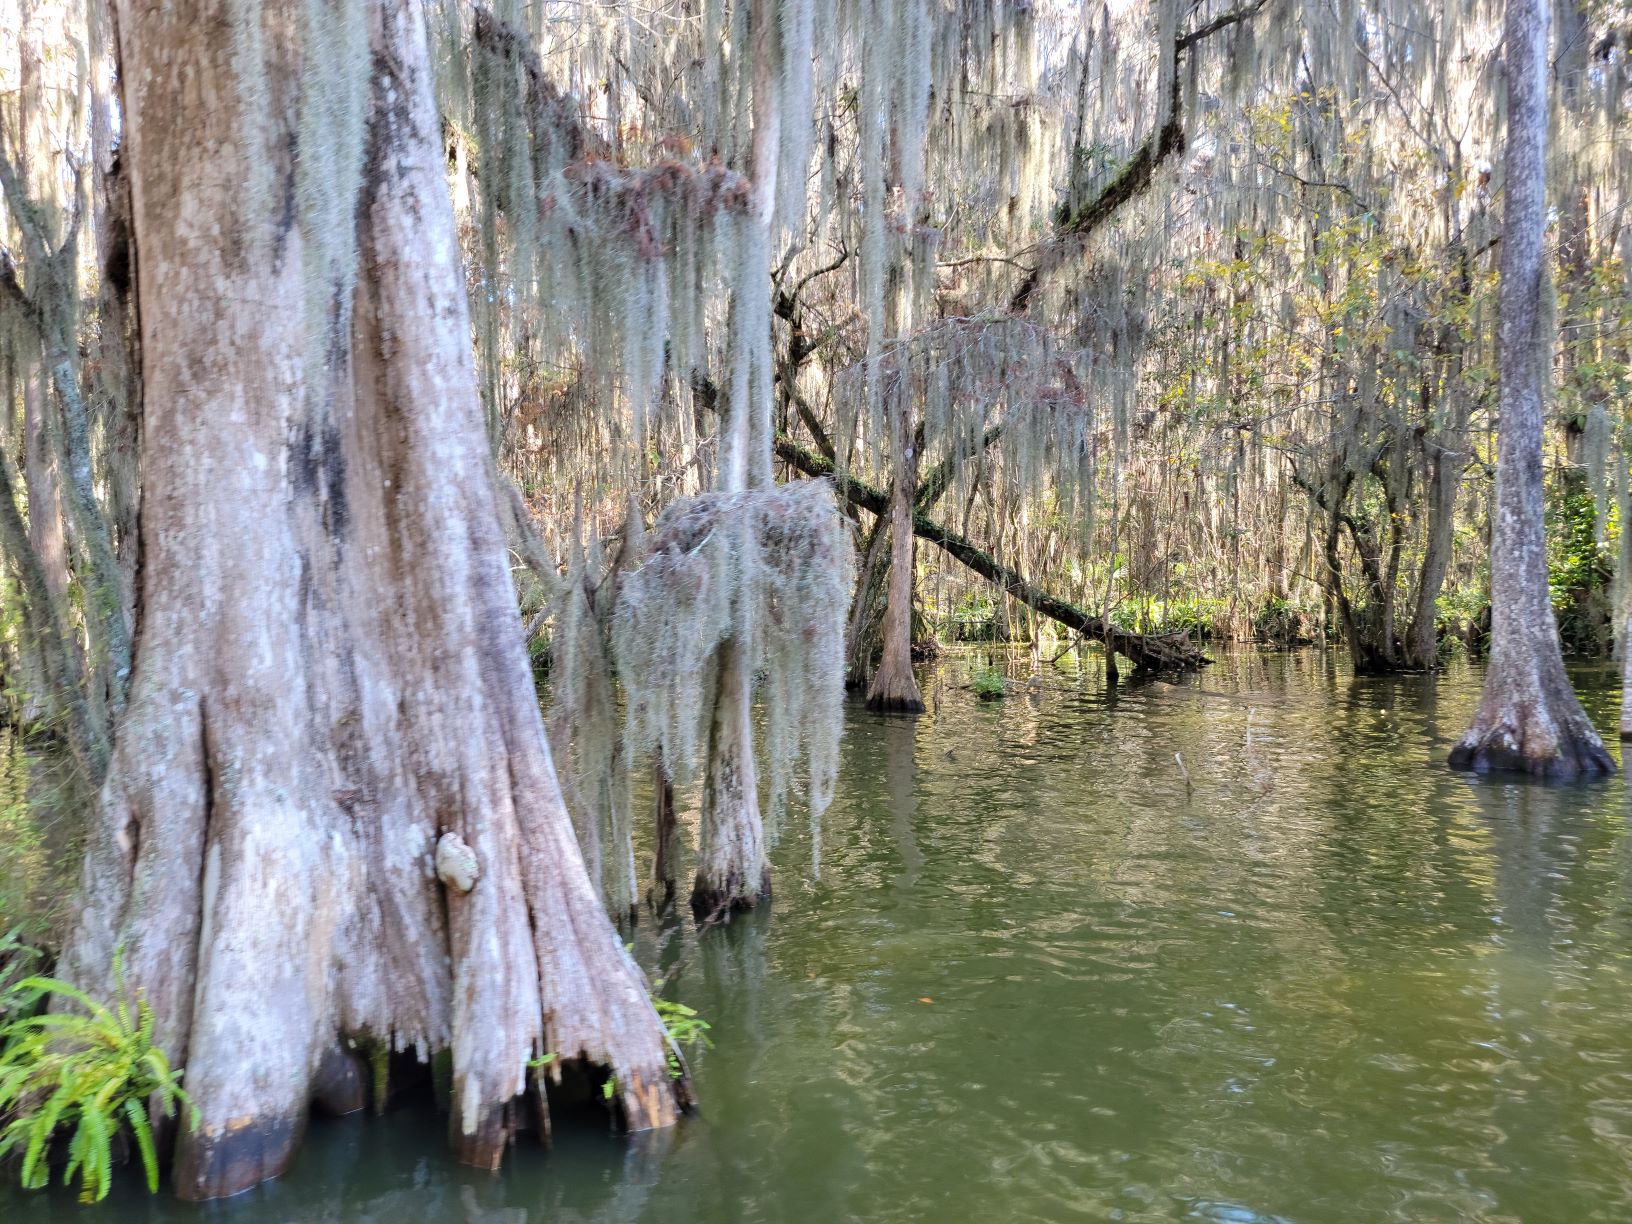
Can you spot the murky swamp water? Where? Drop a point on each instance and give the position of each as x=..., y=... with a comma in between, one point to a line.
x=1041, y=976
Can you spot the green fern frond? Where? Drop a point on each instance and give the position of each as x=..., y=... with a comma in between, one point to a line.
x=90, y=1072
x=140, y=1127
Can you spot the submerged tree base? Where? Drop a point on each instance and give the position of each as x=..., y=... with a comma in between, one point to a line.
x=1531, y=740
x=715, y=900
x=895, y=703
x=238, y=1158
x=894, y=689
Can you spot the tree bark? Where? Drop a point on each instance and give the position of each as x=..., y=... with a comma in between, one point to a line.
x=1529, y=720
x=331, y=680
x=46, y=629
x=666, y=859
x=861, y=638
x=1422, y=638
x=894, y=688
x=38, y=145
x=43, y=489
x=732, y=872
x=42, y=494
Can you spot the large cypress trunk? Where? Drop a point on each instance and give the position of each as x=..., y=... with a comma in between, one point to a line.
x=332, y=727
x=1529, y=719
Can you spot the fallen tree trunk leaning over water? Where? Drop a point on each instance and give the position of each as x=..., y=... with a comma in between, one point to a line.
x=1151, y=653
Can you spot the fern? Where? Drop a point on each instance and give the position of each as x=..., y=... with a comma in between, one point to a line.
x=16, y=958
x=89, y=1072
x=684, y=1027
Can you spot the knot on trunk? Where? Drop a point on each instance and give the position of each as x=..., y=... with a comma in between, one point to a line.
x=456, y=862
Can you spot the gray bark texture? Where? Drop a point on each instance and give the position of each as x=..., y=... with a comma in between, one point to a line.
x=732, y=870
x=330, y=673
x=894, y=688
x=1529, y=719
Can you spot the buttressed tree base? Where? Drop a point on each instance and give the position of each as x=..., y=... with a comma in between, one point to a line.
x=330, y=674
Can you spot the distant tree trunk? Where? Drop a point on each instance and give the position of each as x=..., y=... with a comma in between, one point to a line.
x=1445, y=473
x=117, y=348
x=41, y=97
x=666, y=859
x=732, y=872
x=861, y=637
x=1529, y=719
x=42, y=492
x=1445, y=454
x=38, y=100
x=894, y=687
x=1623, y=587
x=332, y=728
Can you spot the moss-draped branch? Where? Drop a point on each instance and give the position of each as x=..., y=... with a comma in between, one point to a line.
x=1150, y=653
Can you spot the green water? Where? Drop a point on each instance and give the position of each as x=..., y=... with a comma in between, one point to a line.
x=1039, y=978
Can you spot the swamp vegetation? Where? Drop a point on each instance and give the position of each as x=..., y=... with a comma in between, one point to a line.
x=464, y=465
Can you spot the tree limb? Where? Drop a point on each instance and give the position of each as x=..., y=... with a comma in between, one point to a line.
x=1138, y=172
x=1151, y=653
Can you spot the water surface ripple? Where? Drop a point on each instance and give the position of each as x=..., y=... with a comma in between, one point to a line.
x=1042, y=977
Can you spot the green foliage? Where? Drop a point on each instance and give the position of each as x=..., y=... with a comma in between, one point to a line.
x=973, y=618
x=541, y=656
x=1184, y=614
x=17, y=958
x=42, y=801
x=1286, y=622
x=1578, y=568
x=1575, y=560
x=1462, y=616
x=988, y=683
x=684, y=1027
x=90, y=1073
x=23, y=865
x=1192, y=615
x=13, y=697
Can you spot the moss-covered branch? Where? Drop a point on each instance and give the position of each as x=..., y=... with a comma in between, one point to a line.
x=1149, y=652
x=1139, y=171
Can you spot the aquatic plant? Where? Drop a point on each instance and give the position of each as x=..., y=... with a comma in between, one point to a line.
x=684, y=1028
x=95, y=1073
x=987, y=683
